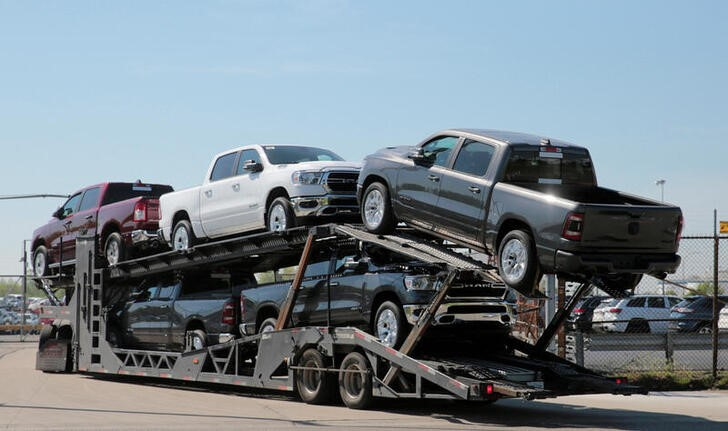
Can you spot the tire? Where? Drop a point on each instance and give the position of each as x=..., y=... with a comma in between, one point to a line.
x=183, y=237
x=40, y=261
x=389, y=325
x=618, y=285
x=114, y=250
x=267, y=325
x=517, y=261
x=314, y=387
x=48, y=332
x=376, y=209
x=195, y=340
x=279, y=216
x=355, y=383
x=705, y=328
x=637, y=327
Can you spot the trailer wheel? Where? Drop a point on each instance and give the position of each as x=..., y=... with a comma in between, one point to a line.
x=376, y=209
x=47, y=333
x=114, y=249
x=314, y=387
x=517, y=262
x=195, y=340
x=183, y=237
x=355, y=383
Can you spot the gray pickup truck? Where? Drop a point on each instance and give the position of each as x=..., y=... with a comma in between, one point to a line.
x=179, y=313
x=532, y=202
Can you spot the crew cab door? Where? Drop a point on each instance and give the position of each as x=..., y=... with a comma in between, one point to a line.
x=218, y=196
x=84, y=220
x=418, y=185
x=62, y=241
x=464, y=191
x=138, y=320
x=249, y=193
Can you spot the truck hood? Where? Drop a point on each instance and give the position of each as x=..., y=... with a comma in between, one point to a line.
x=399, y=152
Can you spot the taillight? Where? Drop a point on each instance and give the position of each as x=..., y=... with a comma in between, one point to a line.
x=242, y=308
x=579, y=310
x=573, y=226
x=615, y=310
x=140, y=212
x=684, y=310
x=228, y=313
x=680, y=223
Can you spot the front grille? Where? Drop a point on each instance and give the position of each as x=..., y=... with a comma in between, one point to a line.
x=341, y=182
x=476, y=291
x=476, y=309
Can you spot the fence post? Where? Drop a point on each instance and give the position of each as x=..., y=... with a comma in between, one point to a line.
x=669, y=347
x=714, y=328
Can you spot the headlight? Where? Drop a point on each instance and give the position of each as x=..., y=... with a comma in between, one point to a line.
x=421, y=282
x=306, y=177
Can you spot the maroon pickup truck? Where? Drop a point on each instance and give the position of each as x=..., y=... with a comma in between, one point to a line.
x=124, y=215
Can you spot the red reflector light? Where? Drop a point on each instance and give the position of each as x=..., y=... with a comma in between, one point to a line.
x=579, y=310
x=620, y=381
x=489, y=389
x=140, y=212
x=573, y=226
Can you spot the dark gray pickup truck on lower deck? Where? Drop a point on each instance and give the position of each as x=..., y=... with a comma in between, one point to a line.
x=530, y=201
x=179, y=313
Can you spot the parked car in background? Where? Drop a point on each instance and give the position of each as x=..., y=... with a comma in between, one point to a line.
x=378, y=291
x=580, y=318
x=723, y=320
x=696, y=315
x=640, y=313
x=123, y=215
x=177, y=313
x=273, y=187
x=530, y=201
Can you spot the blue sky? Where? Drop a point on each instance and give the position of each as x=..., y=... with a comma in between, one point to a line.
x=96, y=91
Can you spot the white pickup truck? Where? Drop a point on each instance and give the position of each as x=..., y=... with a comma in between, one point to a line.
x=274, y=187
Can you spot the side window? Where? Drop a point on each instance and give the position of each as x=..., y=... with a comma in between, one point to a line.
x=474, y=158
x=247, y=156
x=223, y=167
x=71, y=205
x=90, y=199
x=673, y=301
x=636, y=302
x=318, y=268
x=656, y=302
x=439, y=149
x=166, y=291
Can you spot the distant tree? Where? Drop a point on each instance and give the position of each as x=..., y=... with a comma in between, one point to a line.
x=706, y=289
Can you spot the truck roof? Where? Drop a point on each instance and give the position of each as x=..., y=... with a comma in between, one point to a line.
x=509, y=138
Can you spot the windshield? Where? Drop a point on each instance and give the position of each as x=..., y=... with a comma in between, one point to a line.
x=287, y=155
x=550, y=165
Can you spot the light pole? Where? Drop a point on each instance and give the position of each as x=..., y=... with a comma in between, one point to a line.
x=661, y=184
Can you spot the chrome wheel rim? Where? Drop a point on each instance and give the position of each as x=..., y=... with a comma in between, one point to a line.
x=197, y=343
x=374, y=208
x=353, y=382
x=39, y=263
x=387, y=328
x=311, y=379
x=181, y=239
x=514, y=260
x=112, y=252
x=277, y=219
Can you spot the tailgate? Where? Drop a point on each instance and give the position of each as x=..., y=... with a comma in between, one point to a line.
x=631, y=227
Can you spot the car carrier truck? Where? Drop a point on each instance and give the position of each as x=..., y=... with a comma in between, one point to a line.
x=318, y=362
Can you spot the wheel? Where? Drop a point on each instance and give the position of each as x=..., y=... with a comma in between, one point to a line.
x=114, y=249
x=280, y=215
x=40, y=261
x=195, y=340
x=48, y=332
x=389, y=325
x=706, y=328
x=376, y=209
x=115, y=338
x=618, y=285
x=267, y=325
x=355, y=383
x=314, y=387
x=183, y=237
x=637, y=327
x=517, y=262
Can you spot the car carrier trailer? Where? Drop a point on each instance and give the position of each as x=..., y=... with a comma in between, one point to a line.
x=318, y=362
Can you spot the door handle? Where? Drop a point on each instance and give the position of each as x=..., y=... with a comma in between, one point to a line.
x=333, y=283
x=68, y=223
x=164, y=306
x=208, y=193
x=89, y=217
x=433, y=178
x=236, y=187
x=474, y=189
